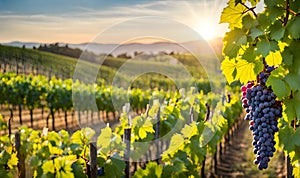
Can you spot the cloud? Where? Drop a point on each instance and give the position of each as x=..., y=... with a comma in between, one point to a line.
x=87, y=22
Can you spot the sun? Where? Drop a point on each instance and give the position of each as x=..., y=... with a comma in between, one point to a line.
x=207, y=30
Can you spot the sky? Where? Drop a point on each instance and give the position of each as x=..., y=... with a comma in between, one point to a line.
x=108, y=21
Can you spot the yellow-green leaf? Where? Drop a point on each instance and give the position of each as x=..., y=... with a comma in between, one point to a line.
x=105, y=137
x=274, y=58
x=228, y=67
x=13, y=161
x=48, y=166
x=233, y=14
x=245, y=71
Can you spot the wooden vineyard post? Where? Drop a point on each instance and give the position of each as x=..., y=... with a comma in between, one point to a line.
x=9, y=121
x=289, y=168
x=203, y=168
x=66, y=119
x=207, y=111
x=20, y=114
x=21, y=159
x=93, y=160
x=191, y=114
x=126, y=140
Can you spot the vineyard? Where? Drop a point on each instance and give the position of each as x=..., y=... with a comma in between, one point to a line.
x=53, y=125
x=163, y=111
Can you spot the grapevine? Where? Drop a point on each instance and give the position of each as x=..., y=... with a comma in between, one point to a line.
x=267, y=36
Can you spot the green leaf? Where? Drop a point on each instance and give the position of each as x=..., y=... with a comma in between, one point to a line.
x=78, y=170
x=284, y=135
x=296, y=137
x=152, y=170
x=250, y=54
x=297, y=103
x=293, y=27
x=114, y=167
x=263, y=21
x=276, y=31
x=233, y=40
x=280, y=88
x=289, y=109
x=249, y=22
x=264, y=47
x=105, y=137
x=233, y=14
x=255, y=32
x=176, y=143
x=287, y=56
x=34, y=161
x=293, y=80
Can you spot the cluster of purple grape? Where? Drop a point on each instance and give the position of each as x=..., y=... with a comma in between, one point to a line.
x=263, y=110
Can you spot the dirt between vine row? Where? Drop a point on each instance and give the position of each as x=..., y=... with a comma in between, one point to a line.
x=238, y=159
x=39, y=120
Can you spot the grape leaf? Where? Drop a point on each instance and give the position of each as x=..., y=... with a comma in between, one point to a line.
x=104, y=138
x=287, y=56
x=233, y=14
x=285, y=134
x=293, y=80
x=246, y=70
x=228, y=67
x=297, y=103
x=48, y=166
x=296, y=170
x=189, y=130
x=250, y=54
x=294, y=27
x=279, y=87
x=263, y=21
x=274, y=58
x=289, y=109
x=296, y=136
x=142, y=125
x=255, y=32
x=176, y=143
x=276, y=31
x=114, y=167
x=234, y=39
x=264, y=47
x=249, y=22
x=13, y=160
x=152, y=170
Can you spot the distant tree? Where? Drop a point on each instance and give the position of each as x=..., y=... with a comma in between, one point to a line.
x=56, y=44
x=23, y=46
x=34, y=47
x=124, y=56
x=67, y=46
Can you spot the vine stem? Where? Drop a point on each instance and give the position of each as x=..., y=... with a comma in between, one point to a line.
x=250, y=9
x=287, y=13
